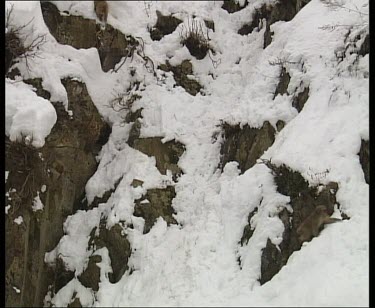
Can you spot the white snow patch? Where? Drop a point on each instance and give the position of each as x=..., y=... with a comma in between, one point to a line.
x=28, y=117
x=18, y=220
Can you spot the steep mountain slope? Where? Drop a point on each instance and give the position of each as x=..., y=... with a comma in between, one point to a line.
x=217, y=154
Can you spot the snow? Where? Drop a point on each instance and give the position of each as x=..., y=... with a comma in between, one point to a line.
x=28, y=116
x=18, y=220
x=37, y=204
x=195, y=262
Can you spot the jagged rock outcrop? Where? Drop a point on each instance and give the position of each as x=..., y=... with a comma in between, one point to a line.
x=299, y=98
x=245, y=145
x=364, y=159
x=156, y=203
x=303, y=200
x=282, y=10
x=166, y=154
x=181, y=73
x=119, y=251
x=79, y=32
x=282, y=86
x=164, y=25
x=54, y=174
x=365, y=47
x=232, y=6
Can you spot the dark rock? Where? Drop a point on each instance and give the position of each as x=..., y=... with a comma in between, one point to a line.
x=135, y=132
x=14, y=48
x=245, y=145
x=76, y=303
x=248, y=230
x=180, y=73
x=118, y=248
x=136, y=183
x=72, y=139
x=79, y=32
x=210, y=24
x=13, y=73
x=283, y=10
x=300, y=99
x=303, y=200
x=159, y=205
x=364, y=159
x=133, y=116
x=257, y=18
x=166, y=154
x=197, y=44
x=231, y=6
x=282, y=87
x=37, y=84
x=280, y=125
x=90, y=278
x=365, y=47
x=165, y=25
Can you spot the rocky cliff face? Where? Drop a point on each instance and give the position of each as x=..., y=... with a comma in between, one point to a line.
x=57, y=175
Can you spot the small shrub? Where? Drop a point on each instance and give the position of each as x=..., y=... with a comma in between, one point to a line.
x=195, y=39
x=15, y=46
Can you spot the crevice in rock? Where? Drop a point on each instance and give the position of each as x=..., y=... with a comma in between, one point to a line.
x=248, y=230
x=245, y=145
x=156, y=203
x=364, y=159
x=181, y=73
x=79, y=32
x=165, y=25
x=232, y=6
x=37, y=84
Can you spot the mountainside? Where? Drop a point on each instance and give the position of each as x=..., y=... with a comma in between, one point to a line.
x=190, y=153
